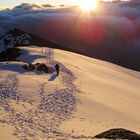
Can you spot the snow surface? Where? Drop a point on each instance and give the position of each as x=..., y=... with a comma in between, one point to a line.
x=90, y=96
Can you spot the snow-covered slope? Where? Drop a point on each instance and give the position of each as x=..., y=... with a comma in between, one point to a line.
x=110, y=95
x=89, y=97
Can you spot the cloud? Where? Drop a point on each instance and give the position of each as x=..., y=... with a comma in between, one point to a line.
x=68, y=26
x=26, y=6
x=48, y=5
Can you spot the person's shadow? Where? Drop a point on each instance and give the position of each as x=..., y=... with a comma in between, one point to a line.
x=53, y=77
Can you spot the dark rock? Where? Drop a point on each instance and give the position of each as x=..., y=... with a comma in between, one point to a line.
x=29, y=67
x=119, y=133
x=25, y=67
x=41, y=67
x=10, y=54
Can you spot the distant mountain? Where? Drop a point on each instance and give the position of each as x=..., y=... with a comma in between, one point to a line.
x=14, y=38
x=17, y=37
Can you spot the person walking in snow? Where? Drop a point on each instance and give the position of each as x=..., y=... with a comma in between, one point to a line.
x=57, y=69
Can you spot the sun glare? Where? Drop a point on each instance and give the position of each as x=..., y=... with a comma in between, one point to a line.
x=87, y=5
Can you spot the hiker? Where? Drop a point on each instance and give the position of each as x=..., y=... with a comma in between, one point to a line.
x=57, y=69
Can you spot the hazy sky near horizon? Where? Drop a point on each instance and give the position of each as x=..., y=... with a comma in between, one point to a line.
x=12, y=3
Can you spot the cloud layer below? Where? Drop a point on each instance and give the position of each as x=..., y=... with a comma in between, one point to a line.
x=48, y=21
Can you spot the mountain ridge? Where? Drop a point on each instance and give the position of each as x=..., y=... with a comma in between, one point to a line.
x=123, y=56
x=31, y=39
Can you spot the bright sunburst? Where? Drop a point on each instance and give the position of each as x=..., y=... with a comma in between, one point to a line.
x=87, y=5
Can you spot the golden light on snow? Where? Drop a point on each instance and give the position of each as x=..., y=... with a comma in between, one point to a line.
x=87, y=5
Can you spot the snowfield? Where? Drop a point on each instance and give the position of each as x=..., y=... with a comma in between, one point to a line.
x=89, y=96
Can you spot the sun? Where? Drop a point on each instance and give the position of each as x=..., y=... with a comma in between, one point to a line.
x=87, y=5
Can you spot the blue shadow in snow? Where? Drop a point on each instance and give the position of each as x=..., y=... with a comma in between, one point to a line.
x=53, y=77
